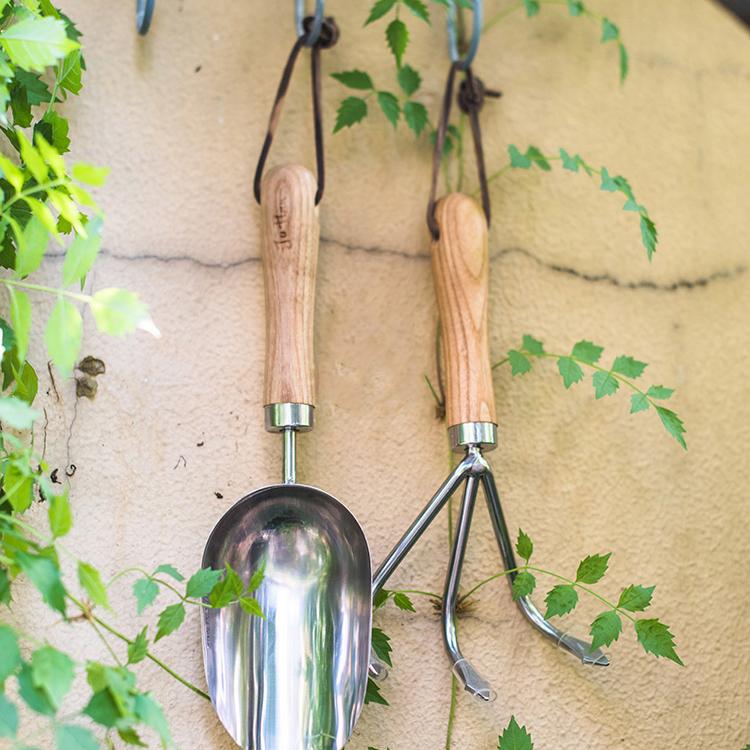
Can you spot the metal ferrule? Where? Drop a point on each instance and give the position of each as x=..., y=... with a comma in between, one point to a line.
x=483, y=434
x=288, y=416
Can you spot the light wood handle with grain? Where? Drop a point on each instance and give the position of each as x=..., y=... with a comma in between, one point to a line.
x=460, y=266
x=291, y=234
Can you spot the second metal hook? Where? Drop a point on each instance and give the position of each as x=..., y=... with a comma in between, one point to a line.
x=311, y=37
x=476, y=33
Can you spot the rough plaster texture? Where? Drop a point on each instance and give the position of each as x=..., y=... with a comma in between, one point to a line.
x=179, y=117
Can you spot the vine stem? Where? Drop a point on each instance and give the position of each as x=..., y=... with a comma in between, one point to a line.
x=510, y=10
x=43, y=188
x=47, y=289
x=161, y=582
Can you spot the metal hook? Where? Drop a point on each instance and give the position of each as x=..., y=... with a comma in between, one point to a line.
x=476, y=34
x=312, y=36
x=144, y=11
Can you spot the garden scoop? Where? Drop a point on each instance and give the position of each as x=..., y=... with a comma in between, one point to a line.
x=294, y=679
x=460, y=267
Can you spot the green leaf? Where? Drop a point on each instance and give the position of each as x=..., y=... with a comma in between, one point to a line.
x=519, y=364
x=592, y=568
x=538, y=158
x=171, y=571
x=605, y=629
x=138, y=649
x=397, y=36
x=389, y=104
x=524, y=545
x=10, y=656
x=202, y=582
x=532, y=7
x=608, y=184
x=673, y=424
x=18, y=488
x=130, y=737
x=649, y=235
x=419, y=9
x=656, y=639
x=251, y=605
x=517, y=159
x=409, y=79
x=228, y=590
x=629, y=367
x=63, y=335
x=379, y=9
x=638, y=402
x=256, y=579
x=636, y=598
x=145, y=591
x=5, y=596
x=53, y=131
x=45, y=576
x=624, y=63
x=659, y=392
x=31, y=158
x=354, y=79
x=561, y=599
x=605, y=384
x=26, y=380
x=118, y=311
x=570, y=371
x=609, y=30
x=373, y=694
x=170, y=620
x=95, y=176
x=17, y=413
x=36, y=43
x=569, y=162
x=381, y=645
x=380, y=598
x=32, y=245
x=82, y=253
x=403, y=602
x=151, y=714
x=92, y=584
x=523, y=584
x=416, y=116
x=8, y=718
x=52, y=671
x=20, y=318
x=60, y=515
x=515, y=737
x=351, y=111
x=35, y=698
x=575, y=7
x=71, y=737
x=532, y=346
x=103, y=709
x=587, y=352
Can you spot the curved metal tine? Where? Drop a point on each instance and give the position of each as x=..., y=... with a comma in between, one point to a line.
x=299, y=16
x=475, y=34
x=576, y=646
x=465, y=672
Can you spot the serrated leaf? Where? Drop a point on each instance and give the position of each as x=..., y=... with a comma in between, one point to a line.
x=5, y=595
x=145, y=592
x=560, y=600
x=31, y=158
x=605, y=629
x=379, y=9
x=32, y=245
x=649, y=235
x=524, y=545
x=354, y=79
x=532, y=346
x=569, y=162
x=635, y=598
x=256, y=579
x=52, y=671
x=419, y=9
x=517, y=159
x=659, y=392
x=51, y=138
x=71, y=737
x=10, y=655
x=538, y=158
x=638, y=402
x=380, y=598
x=36, y=43
x=45, y=576
x=607, y=183
x=8, y=718
x=381, y=645
x=138, y=649
x=673, y=424
x=63, y=335
x=409, y=79
x=515, y=737
x=592, y=568
x=82, y=253
x=569, y=370
x=605, y=384
x=20, y=318
x=523, y=584
x=251, y=605
x=59, y=515
x=18, y=487
x=397, y=36
x=118, y=311
x=519, y=364
x=416, y=116
x=624, y=63
x=92, y=584
x=171, y=571
x=390, y=106
x=17, y=413
x=656, y=639
x=575, y=7
x=629, y=367
x=351, y=111
x=403, y=602
x=373, y=694
x=130, y=737
x=202, y=582
x=610, y=30
x=89, y=174
x=151, y=714
x=532, y=7
x=587, y=352
x=228, y=590
x=170, y=620
x=35, y=698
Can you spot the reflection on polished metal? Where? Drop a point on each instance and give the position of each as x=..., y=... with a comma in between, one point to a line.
x=296, y=678
x=474, y=469
x=282, y=416
x=461, y=436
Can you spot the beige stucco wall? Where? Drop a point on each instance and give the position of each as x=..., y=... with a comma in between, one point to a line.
x=179, y=117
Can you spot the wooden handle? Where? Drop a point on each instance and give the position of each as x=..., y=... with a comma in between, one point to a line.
x=290, y=256
x=460, y=265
